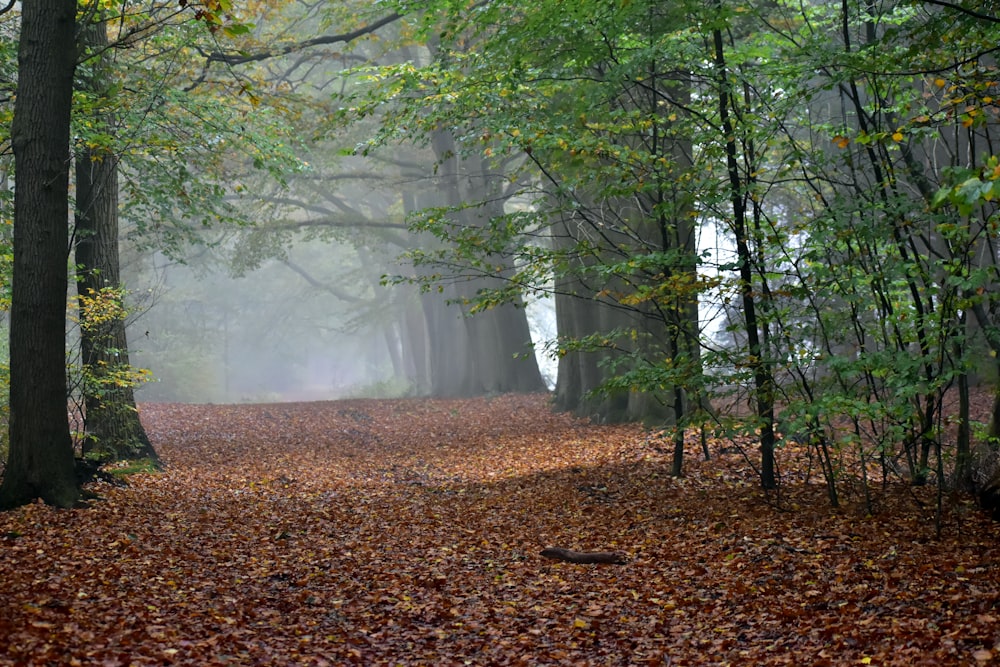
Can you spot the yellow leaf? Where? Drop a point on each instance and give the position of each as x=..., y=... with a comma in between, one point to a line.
x=897, y=136
x=939, y=82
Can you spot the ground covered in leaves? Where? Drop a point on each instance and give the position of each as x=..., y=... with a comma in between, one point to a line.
x=408, y=532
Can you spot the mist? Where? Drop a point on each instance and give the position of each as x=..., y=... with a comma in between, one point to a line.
x=295, y=328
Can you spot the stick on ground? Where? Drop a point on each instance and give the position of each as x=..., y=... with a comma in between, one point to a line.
x=585, y=557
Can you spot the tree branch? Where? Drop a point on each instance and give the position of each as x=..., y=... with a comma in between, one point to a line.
x=585, y=557
x=236, y=58
x=333, y=222
x=964, y=10
x=343, y=295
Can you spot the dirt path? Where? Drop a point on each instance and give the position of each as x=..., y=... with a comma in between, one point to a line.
x=409, y=532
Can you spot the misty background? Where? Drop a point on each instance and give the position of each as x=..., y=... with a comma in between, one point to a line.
x=278, y=332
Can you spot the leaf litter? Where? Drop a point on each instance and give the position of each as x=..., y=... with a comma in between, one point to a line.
x=409, y=532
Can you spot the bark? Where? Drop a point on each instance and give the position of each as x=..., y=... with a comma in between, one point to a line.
x=989, y=495
x=40, y=460
x=448, y=346
x=580, y=312
x=576, y=316
x=111, y=419
x=413, y=334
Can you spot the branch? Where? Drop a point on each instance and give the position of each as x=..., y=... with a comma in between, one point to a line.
x=964, y=10
x=236, y=58
x=362, y=225
x=585, y=557
x=340, y=294
x=332, y=222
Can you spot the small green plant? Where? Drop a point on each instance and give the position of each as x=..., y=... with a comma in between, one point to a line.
x=102, y=382
x=124, y=469
x=981, y=434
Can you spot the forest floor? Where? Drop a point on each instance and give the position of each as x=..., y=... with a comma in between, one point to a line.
x=408, y=532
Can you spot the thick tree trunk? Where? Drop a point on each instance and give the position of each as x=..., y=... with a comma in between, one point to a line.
x=114, y=430
x=989, y=495
x=665, y=329
x=448, y=346
x=500, y=351
x=40, y=461
x=579, y=314
x=487, y=352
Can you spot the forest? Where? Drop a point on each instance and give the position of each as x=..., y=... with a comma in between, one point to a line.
x=652, y=289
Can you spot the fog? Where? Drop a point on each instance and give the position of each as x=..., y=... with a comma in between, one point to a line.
x=279, y=332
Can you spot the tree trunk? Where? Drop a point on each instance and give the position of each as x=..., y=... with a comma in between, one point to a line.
x=487, y=352
x=413, y=331
x=764, y=386
x=654, y=220
x=580, y=312
x=111, y=419
x=40, y=461
x=447, y=346
x=575, y=318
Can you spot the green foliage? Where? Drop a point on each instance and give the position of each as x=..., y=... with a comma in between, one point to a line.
x=96, y=381
x=805, y=134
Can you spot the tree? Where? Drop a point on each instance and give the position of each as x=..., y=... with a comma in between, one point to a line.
x=113, y=428
x=40, y=461
x=584, y=135
x=812, y=137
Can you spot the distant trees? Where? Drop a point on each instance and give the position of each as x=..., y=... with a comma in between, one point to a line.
x=471, y=350
x=438, y=340
x=591, y=136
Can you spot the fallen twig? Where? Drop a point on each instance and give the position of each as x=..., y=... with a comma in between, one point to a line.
x=585, y=557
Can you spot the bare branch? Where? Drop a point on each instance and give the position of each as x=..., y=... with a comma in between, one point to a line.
x=964, y=10
x=235, y=58
x=343, y=295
